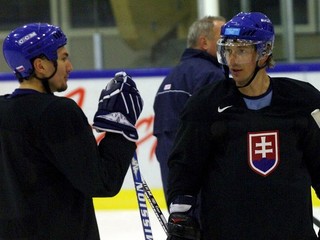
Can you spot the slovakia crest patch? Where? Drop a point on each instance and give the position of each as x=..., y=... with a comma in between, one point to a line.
x=263, y=151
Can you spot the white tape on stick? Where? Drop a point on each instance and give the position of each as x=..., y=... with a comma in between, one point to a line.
x=316, y=116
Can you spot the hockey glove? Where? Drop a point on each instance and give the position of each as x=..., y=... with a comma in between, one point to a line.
x=120, y=105
x=181, y=224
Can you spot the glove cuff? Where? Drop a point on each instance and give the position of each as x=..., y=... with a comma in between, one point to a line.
x=130, y=134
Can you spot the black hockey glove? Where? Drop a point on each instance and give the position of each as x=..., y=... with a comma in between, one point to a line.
x=182, y=225
x=120, y=105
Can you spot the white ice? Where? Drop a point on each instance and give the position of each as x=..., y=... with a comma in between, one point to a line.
x=126, y=225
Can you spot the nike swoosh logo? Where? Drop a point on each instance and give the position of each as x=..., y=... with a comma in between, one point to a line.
x=220, y=110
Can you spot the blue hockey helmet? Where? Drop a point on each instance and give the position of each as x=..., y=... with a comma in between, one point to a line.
x=32, y=40
x=252, y=28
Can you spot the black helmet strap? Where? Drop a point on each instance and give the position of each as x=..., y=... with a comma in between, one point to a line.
x=45, y=81
x=256, y=70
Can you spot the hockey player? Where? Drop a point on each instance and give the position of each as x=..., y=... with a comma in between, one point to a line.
x=250, y=144
x=50, y=164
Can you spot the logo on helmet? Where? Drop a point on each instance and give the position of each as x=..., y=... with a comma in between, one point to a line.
x=266, y=20
x=232, y=31
x=26, y=38
x=20, y=68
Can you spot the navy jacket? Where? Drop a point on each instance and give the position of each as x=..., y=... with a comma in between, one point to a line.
x=196, y=69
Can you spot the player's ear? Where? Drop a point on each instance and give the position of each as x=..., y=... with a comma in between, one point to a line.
x=263, y=60
x=39, y=65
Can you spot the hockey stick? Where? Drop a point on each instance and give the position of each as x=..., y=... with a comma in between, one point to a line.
x=144, y=215
x=149, y=195
x=316, y=222
x=155, y=206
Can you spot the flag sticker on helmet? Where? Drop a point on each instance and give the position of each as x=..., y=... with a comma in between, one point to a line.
x=26, y=38
x=232, y=31
x=20, y=68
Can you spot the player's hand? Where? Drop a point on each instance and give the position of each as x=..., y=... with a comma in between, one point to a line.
x=175, y=238
x=182, y=223
x=120, y=105
x=183, y=227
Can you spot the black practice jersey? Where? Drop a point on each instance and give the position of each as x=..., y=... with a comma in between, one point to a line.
x=51, y=167
x=255, y=168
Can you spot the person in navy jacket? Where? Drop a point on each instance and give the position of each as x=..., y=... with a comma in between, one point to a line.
x=198, y=67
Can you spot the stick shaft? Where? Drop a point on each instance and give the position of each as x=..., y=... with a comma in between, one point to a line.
x=155, y=206
x=316, y=222
x=143, y=210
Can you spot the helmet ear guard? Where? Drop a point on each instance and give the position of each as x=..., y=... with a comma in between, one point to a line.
x=264, y=49
x=30, y=41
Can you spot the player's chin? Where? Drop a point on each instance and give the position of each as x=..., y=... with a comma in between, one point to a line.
x=62, y=88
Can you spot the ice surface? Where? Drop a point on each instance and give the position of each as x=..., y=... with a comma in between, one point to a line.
x=126, y=225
